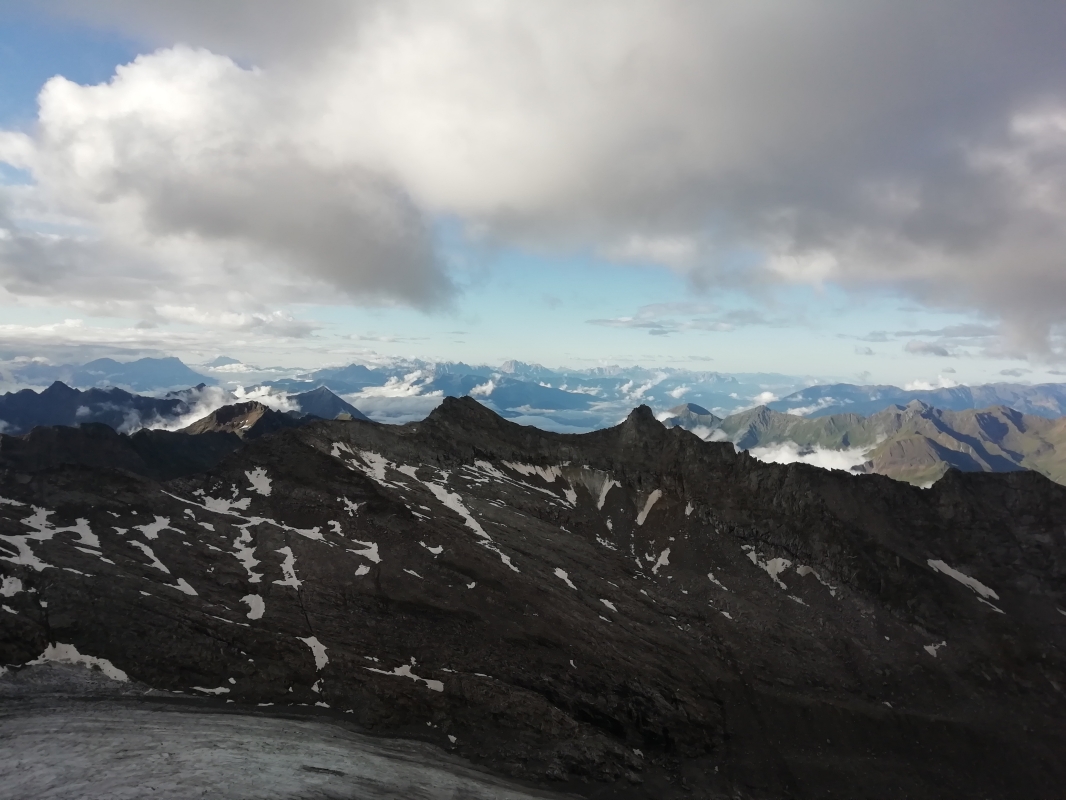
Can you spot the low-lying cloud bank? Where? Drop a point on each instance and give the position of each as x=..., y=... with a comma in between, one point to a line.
x=826, y=458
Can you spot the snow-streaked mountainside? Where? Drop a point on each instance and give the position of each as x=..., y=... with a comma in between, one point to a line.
x=629, y=613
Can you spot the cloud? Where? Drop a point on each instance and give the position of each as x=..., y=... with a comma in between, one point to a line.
x=875, y=336
x=955, y=332
x=926, y=386
x=927, y=349
x=660, y=319
x=192, y=175
x=789, y=452
x=864, y=351
x=1017, y=372
x=308, y=147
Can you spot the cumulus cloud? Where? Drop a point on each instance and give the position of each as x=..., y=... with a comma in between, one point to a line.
x=192, y=174
x=920, y=147
x=927, y=386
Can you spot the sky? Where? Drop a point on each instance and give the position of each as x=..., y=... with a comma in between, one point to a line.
x=869, y=192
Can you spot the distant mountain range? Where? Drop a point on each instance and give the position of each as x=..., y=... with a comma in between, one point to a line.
x=915, y=443
x=142, y=375
x=1043, y=400
x=60, y=404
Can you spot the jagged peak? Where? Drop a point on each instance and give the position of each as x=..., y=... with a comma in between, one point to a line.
x=690, y=408
x=461, y=408
x=57, y=388
x=642, y=417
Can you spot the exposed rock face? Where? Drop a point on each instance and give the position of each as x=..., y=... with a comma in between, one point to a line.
x=155, y=454
x=322, y=403
x=692, y=417
x=247, y=420
x=627, y=613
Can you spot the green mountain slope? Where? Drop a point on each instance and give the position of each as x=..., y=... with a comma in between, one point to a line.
x=915, y=443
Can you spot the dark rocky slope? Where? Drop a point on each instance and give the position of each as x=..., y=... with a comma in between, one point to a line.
x=626, y=613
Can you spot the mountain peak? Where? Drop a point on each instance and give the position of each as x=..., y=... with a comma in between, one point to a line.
x=690, y=408
x=58, y=389
x=462, y=408
x=642, y=418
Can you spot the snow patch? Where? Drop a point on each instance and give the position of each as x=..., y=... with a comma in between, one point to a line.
x=932, y=648
x=68, y=654
x=256, y=606
x=561, y=574
x=151, y=529
x=662, y=561
x=259, y=480
x=455, y=503
x=148, y=552
x=965, y=580
x=773, y=567
x=609, y=604
x=183, y=586
x=10, y=587
x=221, y=505
x=652, y=499
x=608, y=484
x=804, y=570
x=340, y=447
x=288, y=569
x=549, y=474
x=246, y=554
x=370, y=553
x=350, y=507
x=405, y=672
x=319, y=651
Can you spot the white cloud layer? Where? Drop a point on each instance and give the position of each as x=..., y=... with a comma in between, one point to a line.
x=303, y=151
x=789, y=453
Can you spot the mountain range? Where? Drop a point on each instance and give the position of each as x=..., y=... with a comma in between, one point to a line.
x=141, y=375
x=566, y=400
x=60, y=404
x=915, y=443
x=628, y=613
x=1042, y=400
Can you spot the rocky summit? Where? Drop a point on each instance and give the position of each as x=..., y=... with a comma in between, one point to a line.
x=628, y=613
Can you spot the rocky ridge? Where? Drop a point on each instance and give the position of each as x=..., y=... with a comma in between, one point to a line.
x=632, y=612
